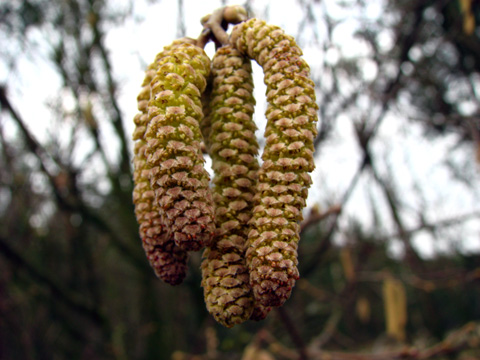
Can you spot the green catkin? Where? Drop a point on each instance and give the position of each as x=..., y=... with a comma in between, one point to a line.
x=177, y=176
x=168, y=262
x=287, y=159
x=233, y=147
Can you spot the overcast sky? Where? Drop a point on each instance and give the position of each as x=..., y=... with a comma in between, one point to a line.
x=136, y=42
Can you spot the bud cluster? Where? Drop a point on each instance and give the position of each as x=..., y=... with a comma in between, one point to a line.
x=173, y=203
x=249, y=221
x=287, y=159
x=168, y=262
x=177, y=175
x=233, y=148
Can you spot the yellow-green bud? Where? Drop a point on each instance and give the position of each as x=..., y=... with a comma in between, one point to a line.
x=168, y=262
x=287, y=159
x=233, y=147
x=177, y=176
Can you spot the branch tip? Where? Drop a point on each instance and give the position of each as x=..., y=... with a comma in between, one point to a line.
x=215, y=25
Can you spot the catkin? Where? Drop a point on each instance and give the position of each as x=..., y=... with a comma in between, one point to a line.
x=287, y=159
x=168, y=262
x=177, y=176
x=233, y=147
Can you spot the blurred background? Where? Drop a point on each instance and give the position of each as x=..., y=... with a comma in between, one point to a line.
x=389, y=255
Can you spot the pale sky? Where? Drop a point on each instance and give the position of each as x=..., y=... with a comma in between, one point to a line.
x=416, y=161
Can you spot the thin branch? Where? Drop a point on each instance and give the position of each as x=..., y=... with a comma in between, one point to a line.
x=293, y=332
x=328, y=331
x=455, y=220
x=74, y=301
x=392, y=200
x=314, y=219
x=389, y=95
x=64, y=202
x=265, y=336
x=32, y=143
x=213, y=29
x=215, y=25
x=426, y=281
x=461, y=339
x=98, y=43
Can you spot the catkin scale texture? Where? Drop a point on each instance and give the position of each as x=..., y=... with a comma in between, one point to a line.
x=233, y=147
x=283, y=179
x=168, y=262
x=177, y=176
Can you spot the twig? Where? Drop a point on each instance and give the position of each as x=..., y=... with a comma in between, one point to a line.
x=320, y=295
x=293, y=332
x=436, y=225
x=465, y=337
x=62, y=201
x=264, y=336
x=316, y=218
x=328, y=330
x=215, y=25
x=111, y=89
x=392, y=200
x=71, y=300
x=32, y=143
x=390, y=93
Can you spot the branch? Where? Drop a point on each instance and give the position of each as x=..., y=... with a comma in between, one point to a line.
x=315, y=218
x=32, y=143
x=436, y=225
x=293, y=332
x=72, y=300
x=466, y=337
x=112, y=88
x=62, y=201
x=390, y=94
x=392, y=200
x=215, y=25
x=328, y=331
x=427, y=281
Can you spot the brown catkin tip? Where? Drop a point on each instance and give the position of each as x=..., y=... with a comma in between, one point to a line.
x=260, y=312
x=169, y=263
x=287, y=159
x=177, y=176
x=233, y=147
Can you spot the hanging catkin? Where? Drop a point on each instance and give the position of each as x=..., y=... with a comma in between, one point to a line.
x=177, y=175
x=249, y=222
x=168, y=262
x=288, y=158
x=233, y=147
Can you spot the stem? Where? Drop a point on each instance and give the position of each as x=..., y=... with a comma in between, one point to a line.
x=293, y=332
x=215, y=25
